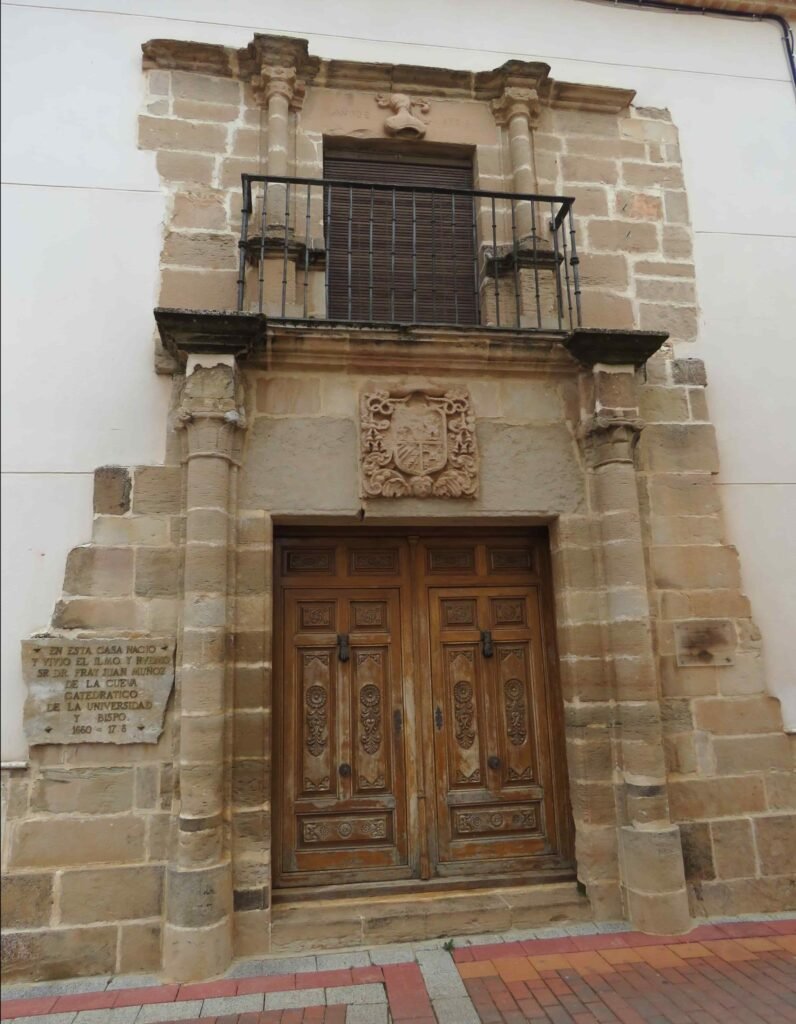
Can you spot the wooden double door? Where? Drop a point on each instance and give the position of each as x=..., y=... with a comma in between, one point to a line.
x=418, y=738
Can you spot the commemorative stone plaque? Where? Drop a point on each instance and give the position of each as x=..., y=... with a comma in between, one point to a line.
x=109, y=690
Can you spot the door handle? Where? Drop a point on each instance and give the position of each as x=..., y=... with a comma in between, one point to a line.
x=493, y=762
x=344, y=770
x=343, y=650
x=486, y=643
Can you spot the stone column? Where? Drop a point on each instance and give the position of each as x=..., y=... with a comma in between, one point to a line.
x=197, y=939
x=279, y=90
x=650, y=851
x=518, y=110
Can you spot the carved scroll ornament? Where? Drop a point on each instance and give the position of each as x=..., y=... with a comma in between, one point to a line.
x=402, y=122
x=419, y=444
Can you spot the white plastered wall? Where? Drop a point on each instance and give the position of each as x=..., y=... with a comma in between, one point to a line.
x=82, y=226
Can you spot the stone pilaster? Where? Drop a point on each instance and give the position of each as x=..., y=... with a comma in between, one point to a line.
x=197, y=938
x=650, y=852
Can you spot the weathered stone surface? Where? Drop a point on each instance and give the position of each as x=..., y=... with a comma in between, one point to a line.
x=90, y=790
x=733, y=848
x=158, y=489
x=705, y=642
x=39, y=843
x=111, y=894
x=776, y=843
x=27, y=900
x=112, y=486
x=697, y=852
x=109, y=690
x=59, y=953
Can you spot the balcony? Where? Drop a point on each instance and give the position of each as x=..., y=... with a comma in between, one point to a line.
x=361, y=253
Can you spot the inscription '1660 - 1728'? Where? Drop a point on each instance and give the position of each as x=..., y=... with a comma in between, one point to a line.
x=109, y=690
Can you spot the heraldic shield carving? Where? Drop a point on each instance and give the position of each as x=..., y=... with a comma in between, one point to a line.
x=418, y=443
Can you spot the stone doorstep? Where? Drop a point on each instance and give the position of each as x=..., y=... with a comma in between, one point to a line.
x=404, y=982
x=416, y=917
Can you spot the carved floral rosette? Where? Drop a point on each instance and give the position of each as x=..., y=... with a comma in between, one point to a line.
x=418, y=443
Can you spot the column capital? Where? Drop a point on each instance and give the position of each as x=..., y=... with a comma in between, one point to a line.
x=516, y=101
x=278, y=80
x=607, y=440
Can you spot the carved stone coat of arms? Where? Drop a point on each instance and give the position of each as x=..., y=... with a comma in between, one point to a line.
x=418, y=444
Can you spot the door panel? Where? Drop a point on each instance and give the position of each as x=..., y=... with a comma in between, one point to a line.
x=492, y=758
x=344, y=807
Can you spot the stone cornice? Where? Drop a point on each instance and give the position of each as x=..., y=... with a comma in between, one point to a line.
x=590, y=345
x=287, y=52
x=187, y=332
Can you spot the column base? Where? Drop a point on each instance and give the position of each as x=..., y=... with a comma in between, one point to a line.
x=653, y=879
x=194, y=954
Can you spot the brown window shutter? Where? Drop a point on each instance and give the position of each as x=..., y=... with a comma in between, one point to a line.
x=399, y=256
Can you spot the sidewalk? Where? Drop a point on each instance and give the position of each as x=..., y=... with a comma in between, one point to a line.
x=738, y=971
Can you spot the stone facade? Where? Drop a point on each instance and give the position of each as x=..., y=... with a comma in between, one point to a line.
x=682, y=781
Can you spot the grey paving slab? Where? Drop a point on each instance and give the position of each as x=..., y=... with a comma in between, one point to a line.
x=606, y=927
x=62, y=987
x=187, y=1010
x=354, y=994
x=295, y=999
x=334, y=961
x=47, y=1018
x=484, y=939
x=273, y=965
x=552, y=933
x=133, y=981
x=121, y=1015
x=519, y=934
x=367, y=1013
x=399, y=954
x=458, y=1009
x=582, y=928
x=440, y=974
x=223, y=1005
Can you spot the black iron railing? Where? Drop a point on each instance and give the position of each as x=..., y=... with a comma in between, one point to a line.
x=353, y=252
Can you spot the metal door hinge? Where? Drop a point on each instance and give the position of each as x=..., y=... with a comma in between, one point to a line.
x=438, y=717
x=486, y=643
x=397, y=721
x=343, y=650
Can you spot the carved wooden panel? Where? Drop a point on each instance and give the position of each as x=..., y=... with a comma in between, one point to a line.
x=459, y=613
x=308, y=561
x=418, y=443
x=371, y=725
x=369, y=615
x=450, y=560
x=316, y=616
x=373, y=561
x=516, y=725
x=508, y=611
x=316, y=720
x=510, y=559
x=464, y=749
x=339, y=830
x=489, y=821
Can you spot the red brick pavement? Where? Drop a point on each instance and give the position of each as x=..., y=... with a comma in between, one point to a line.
x=719, y=974
x=739, y=973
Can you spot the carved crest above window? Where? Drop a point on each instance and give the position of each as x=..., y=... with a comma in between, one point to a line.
x=418, y=444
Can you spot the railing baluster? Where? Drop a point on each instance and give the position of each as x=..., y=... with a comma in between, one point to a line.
x=392, y=262
x=370, y=259
x=476, y=275
x=566, y=269
x=495, y=264
x=327, y=235
x=574, y=260
x=307, y=249
x=261, y=269
x=453, y=259
x=515, y=259
x=246, y=188
x=414, y=256
x=536, y=267
x=350, y=220
x=433, y=262
x=284, y=255
x=560, y=298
